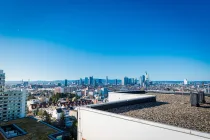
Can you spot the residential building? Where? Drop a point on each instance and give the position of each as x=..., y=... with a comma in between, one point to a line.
x=2, y=81
x=32, y=104
x=59, y=90
x=70, y=89
x=13, y=104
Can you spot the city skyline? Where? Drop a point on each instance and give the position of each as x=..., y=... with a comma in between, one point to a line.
x=169, y=39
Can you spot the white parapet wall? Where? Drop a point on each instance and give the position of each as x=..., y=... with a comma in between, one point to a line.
x=115, y=96
x=101, y=125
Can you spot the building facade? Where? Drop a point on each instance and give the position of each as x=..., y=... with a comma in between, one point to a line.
x=13, y=104
x=91, y=80
x=107, y=80
x=66, y=83
x=86, y=80
x=2, y=81
x=126, y=80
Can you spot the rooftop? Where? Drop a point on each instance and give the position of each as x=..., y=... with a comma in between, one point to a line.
x=33, y=129
x=172, y=110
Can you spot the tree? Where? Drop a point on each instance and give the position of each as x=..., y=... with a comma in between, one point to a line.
x=36, y=111
x=62, y=120
x=73, y=130
x=31, y=97
x=47, y=117
x=40, y=113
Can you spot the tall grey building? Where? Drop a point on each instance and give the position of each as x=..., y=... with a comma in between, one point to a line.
x=107, y=80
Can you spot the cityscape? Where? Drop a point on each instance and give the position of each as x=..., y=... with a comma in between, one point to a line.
x=104, y=70
x=57, y=102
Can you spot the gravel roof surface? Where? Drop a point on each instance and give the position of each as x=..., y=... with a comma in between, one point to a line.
x=173, y=110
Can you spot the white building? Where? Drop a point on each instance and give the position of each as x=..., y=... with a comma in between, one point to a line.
x=57, y=113
x=185, y=82
x=12, y=102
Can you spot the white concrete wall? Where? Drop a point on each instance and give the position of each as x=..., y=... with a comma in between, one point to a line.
x=113, y=96
x=99, y=125
x=23, y=103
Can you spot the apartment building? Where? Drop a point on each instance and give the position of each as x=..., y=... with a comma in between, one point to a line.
x=12, y=101
x=2, y=81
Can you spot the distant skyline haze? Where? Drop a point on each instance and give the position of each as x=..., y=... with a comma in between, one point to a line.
x=72, y=39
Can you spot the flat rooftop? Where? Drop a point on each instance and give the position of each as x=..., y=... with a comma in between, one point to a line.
x=172, y=110
x=35, y=130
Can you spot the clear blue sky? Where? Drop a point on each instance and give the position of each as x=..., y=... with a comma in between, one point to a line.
x=58, y=39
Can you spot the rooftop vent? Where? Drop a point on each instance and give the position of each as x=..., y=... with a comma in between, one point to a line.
x=194, y=99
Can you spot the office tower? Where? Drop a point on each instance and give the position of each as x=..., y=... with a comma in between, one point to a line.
x=115, y=81
x=86, y=80
x=107, y=80
x=80, y=81
x=59, y=84
x=91, y=80
x=2, y=81
x=66, y=83
x=132, y=81
x=146, y=76
x=136, y=81
x=142, y=80
x=94, y=82
x=25, y=84
x=100, y=81
x=126, y=81
x=12, y=102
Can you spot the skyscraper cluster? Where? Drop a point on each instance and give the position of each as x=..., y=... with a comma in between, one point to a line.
x=130, y=81
x=143, y=80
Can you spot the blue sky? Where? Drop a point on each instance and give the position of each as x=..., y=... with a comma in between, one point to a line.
x=50, y=40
